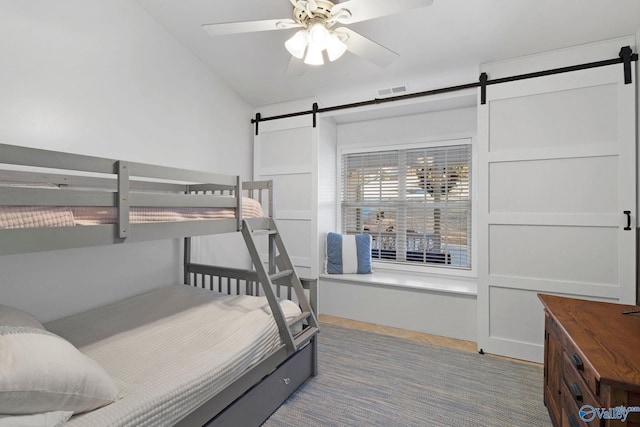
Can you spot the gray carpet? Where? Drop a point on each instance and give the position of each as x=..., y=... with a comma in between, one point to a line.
x=368, y=379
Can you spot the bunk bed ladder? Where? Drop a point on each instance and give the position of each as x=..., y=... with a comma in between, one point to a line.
x=281, y=272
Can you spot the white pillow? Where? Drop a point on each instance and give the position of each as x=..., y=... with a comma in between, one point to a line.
x=10, y=316
x=42, y=372
x=48, y=419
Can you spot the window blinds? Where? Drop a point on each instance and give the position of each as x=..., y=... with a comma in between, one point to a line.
x=415, y=203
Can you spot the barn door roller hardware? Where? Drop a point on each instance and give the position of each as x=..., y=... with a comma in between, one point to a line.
x=625, y=57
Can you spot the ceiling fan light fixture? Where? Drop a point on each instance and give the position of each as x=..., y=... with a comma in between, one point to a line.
x=297, y=44
x=318, y=36
x=314, y=56
x=335, y=47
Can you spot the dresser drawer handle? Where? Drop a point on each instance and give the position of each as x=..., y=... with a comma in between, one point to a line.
x=573, y=422
x=576, y=392
x=577, y=362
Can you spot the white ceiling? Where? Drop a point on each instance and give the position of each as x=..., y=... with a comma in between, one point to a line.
x=440, y=45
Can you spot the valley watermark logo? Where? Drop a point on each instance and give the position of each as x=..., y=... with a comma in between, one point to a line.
x=589, y=413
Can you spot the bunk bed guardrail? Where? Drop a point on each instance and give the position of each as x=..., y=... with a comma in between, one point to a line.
x=37, y=177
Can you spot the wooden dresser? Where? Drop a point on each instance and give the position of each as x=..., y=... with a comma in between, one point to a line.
x=591, y=361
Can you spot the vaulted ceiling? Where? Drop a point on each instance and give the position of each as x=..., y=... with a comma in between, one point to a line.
x=438, y=46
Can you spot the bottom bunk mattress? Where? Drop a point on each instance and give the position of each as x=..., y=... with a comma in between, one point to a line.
x=170, y=350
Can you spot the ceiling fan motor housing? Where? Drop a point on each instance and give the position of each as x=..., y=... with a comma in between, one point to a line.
x=304, y=14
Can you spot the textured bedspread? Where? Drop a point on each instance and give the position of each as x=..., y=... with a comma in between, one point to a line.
x=137, y=215
x=64, y=216
x=171, y=349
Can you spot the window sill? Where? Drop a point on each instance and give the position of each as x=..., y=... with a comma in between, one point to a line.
x=460, y=286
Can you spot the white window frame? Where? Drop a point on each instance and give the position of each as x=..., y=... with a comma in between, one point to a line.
x=413, y=144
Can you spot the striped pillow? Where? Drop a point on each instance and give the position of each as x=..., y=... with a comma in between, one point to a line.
x=348, y=253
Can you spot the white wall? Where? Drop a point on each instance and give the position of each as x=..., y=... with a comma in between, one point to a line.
x=103, y=78
x=402, y=129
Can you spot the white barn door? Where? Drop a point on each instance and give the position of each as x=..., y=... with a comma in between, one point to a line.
x=285, y=151
x=557, y=165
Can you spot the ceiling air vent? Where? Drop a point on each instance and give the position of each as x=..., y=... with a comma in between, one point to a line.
x=392, y=90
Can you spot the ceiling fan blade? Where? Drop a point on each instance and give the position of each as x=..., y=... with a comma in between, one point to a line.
x=367, y=48
x=250, y=26
x=362, y=10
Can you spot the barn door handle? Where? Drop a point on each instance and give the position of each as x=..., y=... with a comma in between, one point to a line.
x=628, y=214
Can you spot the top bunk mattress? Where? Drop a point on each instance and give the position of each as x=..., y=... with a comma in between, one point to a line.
x=171, y=349
x=138, y=215
x=66, y=216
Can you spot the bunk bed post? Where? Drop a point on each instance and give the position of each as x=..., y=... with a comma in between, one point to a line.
x=186, y=261
x=186, y=253
x=239, y=203
x=312, y=286
x=272, y=258
x=272, y=245
x=270, y=195
x=123, y=199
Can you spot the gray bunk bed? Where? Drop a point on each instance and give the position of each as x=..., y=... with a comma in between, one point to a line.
x=137, y=202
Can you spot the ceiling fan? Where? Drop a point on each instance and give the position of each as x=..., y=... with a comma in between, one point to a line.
x=320, y=33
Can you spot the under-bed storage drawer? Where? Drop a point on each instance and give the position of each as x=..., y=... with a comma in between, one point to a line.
x=263, y=399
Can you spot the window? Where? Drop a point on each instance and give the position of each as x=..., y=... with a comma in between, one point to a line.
x=415, y=203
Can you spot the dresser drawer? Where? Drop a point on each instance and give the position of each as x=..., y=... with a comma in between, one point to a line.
x=575, y=390
x=575, y=359
x=571, y=410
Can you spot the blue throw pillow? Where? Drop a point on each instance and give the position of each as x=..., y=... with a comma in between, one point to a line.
x=348, y=253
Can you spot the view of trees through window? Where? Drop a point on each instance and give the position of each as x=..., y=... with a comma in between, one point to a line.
x=415, y=203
